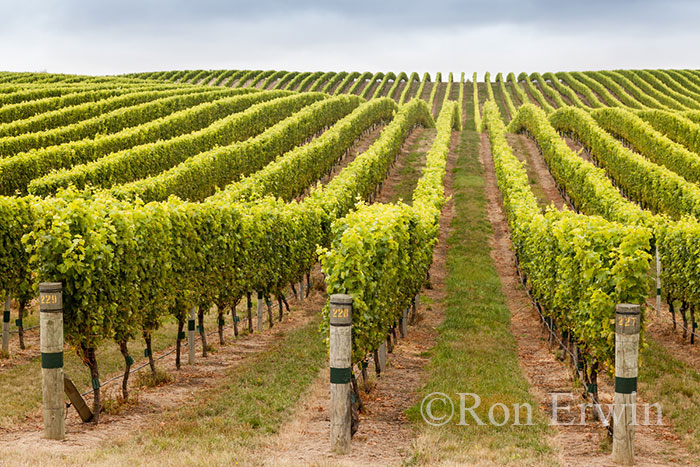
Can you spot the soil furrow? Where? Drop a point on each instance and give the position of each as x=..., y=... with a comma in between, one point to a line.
x=384, y=436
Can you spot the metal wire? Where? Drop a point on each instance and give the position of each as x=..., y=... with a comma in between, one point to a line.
x=550, y=328
x=670, y=319
x=25, y=330
x=169, y=352
x=562, y=192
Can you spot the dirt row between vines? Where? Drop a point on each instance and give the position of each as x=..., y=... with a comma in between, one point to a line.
x=384, y=436
x=539, y=86
x=595, y=93
x=584, y=445
x=390, y=185
x=364, y=142
x=31, y=340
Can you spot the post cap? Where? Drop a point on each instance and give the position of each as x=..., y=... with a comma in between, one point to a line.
x=50, y=297
x=627, y=319
x=341, y=299
x=628, y=309
x=48, y=287
x=341, y=310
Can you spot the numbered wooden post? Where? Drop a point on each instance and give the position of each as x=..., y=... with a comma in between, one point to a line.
x=341, y=371
x=191, y=335
x=6, y=328
x=260, y=311
x=627, y=325
x=51, y=344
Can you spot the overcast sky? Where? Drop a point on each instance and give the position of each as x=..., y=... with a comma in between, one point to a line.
x=104, y=37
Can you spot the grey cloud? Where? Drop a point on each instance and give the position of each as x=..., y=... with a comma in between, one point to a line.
x=109, y=37
x=391, y=14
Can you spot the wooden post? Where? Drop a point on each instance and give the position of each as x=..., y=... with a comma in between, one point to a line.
x=341, y=372
x=658, y=282
x=249, y=310
x=191, y=335
x=403, y=322
x=301, y=290
x=382, y=358
x=414, y=308
x=77, y=400
x=627, y=325
x=6, y=328
x=51, y=344
x=260, y=310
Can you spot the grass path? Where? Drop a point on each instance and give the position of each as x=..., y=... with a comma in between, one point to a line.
x=476, y=352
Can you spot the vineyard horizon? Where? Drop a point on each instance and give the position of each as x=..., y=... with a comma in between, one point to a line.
x=184, y=209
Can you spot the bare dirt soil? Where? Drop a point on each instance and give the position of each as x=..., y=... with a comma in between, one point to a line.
x=387, y=194
x=31, y=340
x=526, y=150
x=335, y=86
x=412, y=91
x=660, y=328
x=427, y=89
x=384, y=436
x=399, y=89
x=372, y=87
x=439, y=96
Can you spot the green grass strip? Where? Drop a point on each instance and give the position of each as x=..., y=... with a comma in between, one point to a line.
x=476, y=352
